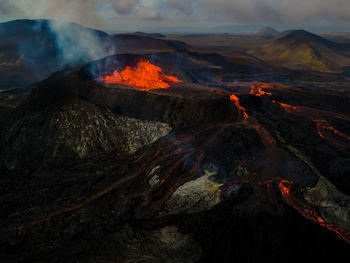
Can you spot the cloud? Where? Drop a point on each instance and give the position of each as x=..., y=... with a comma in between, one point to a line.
x=183, y=6
x=148, y=14
x=276, y=11
x=5, y=7
x=125, y=6
x=98, y=13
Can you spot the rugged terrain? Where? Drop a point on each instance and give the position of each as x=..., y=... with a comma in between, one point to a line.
x=208, y=170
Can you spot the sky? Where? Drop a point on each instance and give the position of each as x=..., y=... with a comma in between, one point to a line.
x=175, y=16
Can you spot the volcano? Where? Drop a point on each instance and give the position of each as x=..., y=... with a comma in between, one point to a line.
x=303, y=50
x=213, y=171
x=23, y=64
x=160, y=151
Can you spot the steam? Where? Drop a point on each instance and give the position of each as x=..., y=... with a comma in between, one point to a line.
x=74, y=44
x=77, y=44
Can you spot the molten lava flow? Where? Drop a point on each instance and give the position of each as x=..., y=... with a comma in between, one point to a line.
x=257, y=90
x=307, y=211
x=323, y=125
x=144, y=76
x=286, y=106
x=235, y=99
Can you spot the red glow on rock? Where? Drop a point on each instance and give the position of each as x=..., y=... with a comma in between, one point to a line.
x=235, y=99
x=144, y=76
x=257, y=90
x=323, y=124
x=286, y=106
x=307, y=211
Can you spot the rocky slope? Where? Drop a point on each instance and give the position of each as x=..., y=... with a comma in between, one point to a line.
x=193, y=173
x=72, y=130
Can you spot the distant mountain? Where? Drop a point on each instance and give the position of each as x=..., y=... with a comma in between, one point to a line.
x=339, y=37
x=268, y=32
x=299, y=49
x=143, y=34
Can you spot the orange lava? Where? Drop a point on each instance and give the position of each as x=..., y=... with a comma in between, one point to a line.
x=286, y=106
x=257, y=90
x=324, y=125
x=235, y=99
x=307, y=211
x=144, y=76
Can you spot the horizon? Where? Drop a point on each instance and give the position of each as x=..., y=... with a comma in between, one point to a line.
x=224, y=29
x=179, y=16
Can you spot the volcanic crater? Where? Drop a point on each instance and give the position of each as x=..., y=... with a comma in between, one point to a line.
x=173, y=174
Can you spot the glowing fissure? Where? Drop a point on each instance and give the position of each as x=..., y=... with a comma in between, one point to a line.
x=308, y=212
x=321, y=124
x=257, y=89
x=242, y=110
x=286, y=106
x=144, y=76
x=325, y=125
x=302, y=208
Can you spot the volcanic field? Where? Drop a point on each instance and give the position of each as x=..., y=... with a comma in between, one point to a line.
x=176, y=156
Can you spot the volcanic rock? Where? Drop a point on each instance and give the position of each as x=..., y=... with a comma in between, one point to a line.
x=159, y=245
x=73, y=130
x=333, y=205
x=195, y=196
x=184, y=174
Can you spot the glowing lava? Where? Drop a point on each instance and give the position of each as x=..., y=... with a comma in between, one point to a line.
x=144, y=76
x=322, y=125
x=257, y=90
x=308, y=212
x=235, y=99
x=287, y=106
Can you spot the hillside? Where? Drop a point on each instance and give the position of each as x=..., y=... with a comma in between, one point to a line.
x=301, y=50
x=268, y=32
x=142, y=44
x=143, y=34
